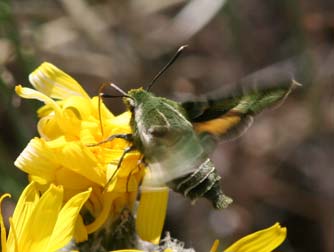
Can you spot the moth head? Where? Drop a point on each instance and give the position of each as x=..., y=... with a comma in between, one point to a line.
x=135, y=97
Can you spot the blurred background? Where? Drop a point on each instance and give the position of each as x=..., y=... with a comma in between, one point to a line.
x=280, y=170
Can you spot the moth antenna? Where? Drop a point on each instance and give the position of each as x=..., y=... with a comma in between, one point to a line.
x=169, y=63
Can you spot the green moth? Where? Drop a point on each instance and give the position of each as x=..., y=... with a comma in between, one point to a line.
x=176, y=138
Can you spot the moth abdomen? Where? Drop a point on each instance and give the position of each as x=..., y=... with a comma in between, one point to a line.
x=193, y=179
x=203, y=182
x=216, y=196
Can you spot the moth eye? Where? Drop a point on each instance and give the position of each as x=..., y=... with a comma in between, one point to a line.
x=131, y=102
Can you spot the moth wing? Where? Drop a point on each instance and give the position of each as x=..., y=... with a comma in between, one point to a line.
x=227, y=114
x=176, y=154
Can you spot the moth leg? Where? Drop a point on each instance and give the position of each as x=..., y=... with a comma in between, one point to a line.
x=128, y=179
x=126, y=151
x=128, y=137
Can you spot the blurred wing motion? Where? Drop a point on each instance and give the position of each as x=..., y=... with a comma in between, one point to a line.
x=229, y=116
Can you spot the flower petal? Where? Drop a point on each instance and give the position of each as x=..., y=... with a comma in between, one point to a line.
x=48, y=127
x=64, y=227
x=2, y=225
x=40, y=224
x=265, y=240
x=214, y=246
x=23, y=209
x=80, y=231
x=118, y=124
x=151, y=213
x=80, y=159
x=102, y=109
x=37, y=160
x=102, y=217
x=82, y=108
x=29, y=93
x=55, y=83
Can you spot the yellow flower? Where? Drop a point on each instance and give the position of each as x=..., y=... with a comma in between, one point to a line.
x=70, y=122
x=41, y=223
x=265, y=240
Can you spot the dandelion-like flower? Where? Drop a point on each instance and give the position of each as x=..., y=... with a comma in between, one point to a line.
x=70, y=122
x=41, y=223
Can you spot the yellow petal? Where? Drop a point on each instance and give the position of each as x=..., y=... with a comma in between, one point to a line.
x=41, y=222
x=105, y=112
x=36, y=159
x=55, y=83
x=71, y=181
x=74, y=110
x=81, y=160
x=214, y=246
x=71, y=123
x=82, y=108
x=151, y=213
x=23, y=210
x=89, y=132
x=64, y=227
x=38, y=180
x=122, y=119
x=80, y=231
x=129, y=164
x=47, y=109
x=48, y=128
x=14, y=246
x=2, y=225
x=265, y=240
x=29, y=93
x=118, y=124
x=100, y=220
